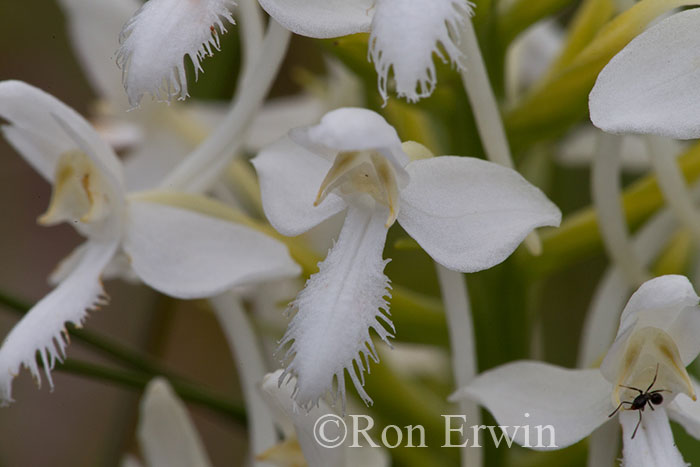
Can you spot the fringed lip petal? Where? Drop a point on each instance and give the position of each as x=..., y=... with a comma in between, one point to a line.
x=519, y=394
x=189, y=255
x=322, y=18
x=646, y=89
x=42, y=128
x=469, y=214
x=406, y=34
x=653, y=444
x=43, y=330
x=166, y=433
x=330, y=332
x=280, y=399
x=290, y=176
x=155, y=41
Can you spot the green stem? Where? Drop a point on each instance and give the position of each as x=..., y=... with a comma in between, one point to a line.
x=139, y=380
x=147, y=367
x=108, y=347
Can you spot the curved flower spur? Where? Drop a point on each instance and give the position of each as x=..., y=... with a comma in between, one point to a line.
x=656, y=340
x=176, y=251
x=468, y=214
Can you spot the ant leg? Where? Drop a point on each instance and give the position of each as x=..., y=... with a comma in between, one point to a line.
x=618, y=408
x=634, y=433
x=630, y=387
x=660, y=390
x=656, y=373
x=651, y=406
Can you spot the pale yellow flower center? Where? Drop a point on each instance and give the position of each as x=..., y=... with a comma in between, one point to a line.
x=650, y=350
x=363, y=172
x=79, y=192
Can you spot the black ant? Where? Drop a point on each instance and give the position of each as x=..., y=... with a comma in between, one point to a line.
x=643, y=399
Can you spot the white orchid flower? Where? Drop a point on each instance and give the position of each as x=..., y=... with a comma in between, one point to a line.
x=166, y=434
x=156, y=39
x=177, y=251
x=404, y=34
x=467, y=214
x=656, y=340
x=300, y=446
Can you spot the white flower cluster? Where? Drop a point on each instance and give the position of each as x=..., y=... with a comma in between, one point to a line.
x=168, y=211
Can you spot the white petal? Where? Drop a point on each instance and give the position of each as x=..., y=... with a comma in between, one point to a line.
x=574, y=402
x=43, y=128
x=157, y=38
x=354, y=129
x=686, y=411
x=43, y=330
x=469, y=214
x=189, y=255
x=93, y=27
x=290, y=177
x=166, y=433
x=668, y=303
x=406, y=34
x=280, y=399
x=651, y=86
x=330, y=332
x=653, y=445
x=321, y=18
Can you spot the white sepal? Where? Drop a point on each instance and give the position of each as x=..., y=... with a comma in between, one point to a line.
x=354, y=129
x=469, y=214
x=406, y=34
x=42, y=129
x=186, y=254
x=330, y=332
x=651, y=86
x=321, y=18
x=290, y=176
x=520, y=394
x=155, y=41
x=166, y=433
x=653, y=444
x=43, y=330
